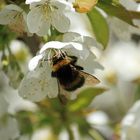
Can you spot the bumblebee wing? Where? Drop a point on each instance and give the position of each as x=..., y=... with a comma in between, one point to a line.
x=90, y=80
x=64, y=95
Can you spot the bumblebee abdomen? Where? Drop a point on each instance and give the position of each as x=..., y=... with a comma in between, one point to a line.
x=76, y=83
x=69, y=78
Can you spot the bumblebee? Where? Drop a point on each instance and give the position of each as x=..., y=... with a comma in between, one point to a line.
x=70, y=76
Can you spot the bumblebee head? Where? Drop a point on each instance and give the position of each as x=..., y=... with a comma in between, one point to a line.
x=57, y=59
x=61, y=59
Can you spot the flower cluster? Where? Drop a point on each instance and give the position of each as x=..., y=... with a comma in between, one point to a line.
x=45, y=14
x=15, y=17
x=38, y=83
x=42, y=15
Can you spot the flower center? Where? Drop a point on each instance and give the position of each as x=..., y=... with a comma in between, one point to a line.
x=18, y=24
x=47, y=9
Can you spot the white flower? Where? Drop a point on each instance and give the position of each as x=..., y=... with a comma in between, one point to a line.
x=3, y=105
x=124, y=58
x=97, y=118
x=131, y=123
x=43, y=134
x=9, y=129
x=38, y=83
x=120, y=62
x=20, y=50
x=13, y=16
x=80, y=23
x=117, y=99
x=122, y=30
x=31, y=1
x=132, y=6
x=14, y=75
x=11, y=67
x=45, y=14
x=89, y=46
x=121, y=68
x=16, y=103
x=25, y=137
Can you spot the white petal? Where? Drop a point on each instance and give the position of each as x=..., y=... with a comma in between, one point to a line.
x=44, y=27
x=60, y=21
x=34, y=19
x=72, y=36
x=32, y=86
x=60, y=45
x=87, y=41
x=38, y=84
x=34, y=62
x=60, y=5
x=3, y=105
x=90, y=42
x=9, y=129
x=80, y=54
x=129, y=4
x=68, y=6
x=86, y=59
x=31, y=1
x=36, y=4
x=131, y=123
x=79, y=23
x=13, y=7
x=88, y=63
x=7, y=16
x=25, y=23
x=25, y=137
x=77, y=46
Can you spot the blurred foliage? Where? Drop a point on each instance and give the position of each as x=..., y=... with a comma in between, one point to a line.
x=114, y=8
x=58, y=116
x=100, y=26
x=84, y=99
x=14, y=1
x=5, y=36
x=111, y=8
x=12, y=69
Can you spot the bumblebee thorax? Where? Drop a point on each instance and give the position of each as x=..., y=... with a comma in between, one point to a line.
x=60, y=63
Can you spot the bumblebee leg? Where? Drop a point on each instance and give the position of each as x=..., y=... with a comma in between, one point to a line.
x=53, y=74
x=74, y=59
x=79, y=67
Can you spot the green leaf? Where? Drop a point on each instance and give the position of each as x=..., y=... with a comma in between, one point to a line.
x=84, y=98
x=137, y=92
x=99, y=26
x=114, y=8
x=24, y=119
x=5, y=36
x=83, y=126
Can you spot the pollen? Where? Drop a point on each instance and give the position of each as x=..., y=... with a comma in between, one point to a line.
x=111, y=78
